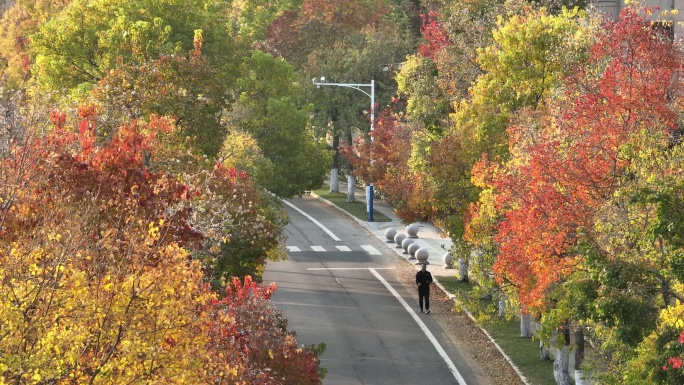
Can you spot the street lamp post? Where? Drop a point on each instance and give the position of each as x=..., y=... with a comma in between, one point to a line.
x=358, y=87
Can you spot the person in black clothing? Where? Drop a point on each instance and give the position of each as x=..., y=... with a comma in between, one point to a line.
x=423, y=280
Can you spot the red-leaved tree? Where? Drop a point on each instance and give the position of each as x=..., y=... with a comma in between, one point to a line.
x=552, y=195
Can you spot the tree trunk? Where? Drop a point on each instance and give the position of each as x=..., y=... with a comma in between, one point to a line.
x=334, y=171
x=543, y=350
x=334, y=181
x=560, y=367
x=562, y=362
x=463, y=269
x=579, y=356
x=502, y=305
x=351, y=179
x=525, y=327
x=350, y=188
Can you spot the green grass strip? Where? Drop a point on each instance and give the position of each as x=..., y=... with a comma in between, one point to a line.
x=524, y=352
x=356, y=208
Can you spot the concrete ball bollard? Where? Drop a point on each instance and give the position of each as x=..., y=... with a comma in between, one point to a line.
x=405, y=244
x=412, y=230
x=398, y=239
x=448, y=261
x=412, y=250
x=422, y=256
x=390, y=234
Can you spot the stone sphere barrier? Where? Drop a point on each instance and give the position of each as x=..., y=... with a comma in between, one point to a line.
x=422, y=256
x=448, y=261
x=412, y=248
x=405, y=244
x=412, y=230
x=398, y=239
x=390, y=234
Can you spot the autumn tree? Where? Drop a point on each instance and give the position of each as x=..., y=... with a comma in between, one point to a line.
x=98, y=283
x=242, y=225
x=18, y=23
x=86, y=241
x=77, y=46
x=579, y=239
x=253, y=17
x=385, y=161
x=435, y=80
x=183, y=87
x=261, y=350
x=164, y=58
x=176, y=60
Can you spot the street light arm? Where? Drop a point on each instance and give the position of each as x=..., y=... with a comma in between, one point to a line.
x=348, y=85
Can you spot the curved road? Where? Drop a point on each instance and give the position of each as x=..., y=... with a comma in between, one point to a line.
x=339, y=287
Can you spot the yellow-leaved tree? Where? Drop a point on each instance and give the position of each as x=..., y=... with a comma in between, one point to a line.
x=97, y=282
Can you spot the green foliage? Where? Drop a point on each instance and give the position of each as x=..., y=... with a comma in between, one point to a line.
x=252, y=17
x=428, y=103
x=181, y=87
x=346, y=42
x=77, y=46
x=272, y=111
x=18, y=23
x=516, y=78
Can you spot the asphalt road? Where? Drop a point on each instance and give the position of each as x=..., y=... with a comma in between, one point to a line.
x=339, y=286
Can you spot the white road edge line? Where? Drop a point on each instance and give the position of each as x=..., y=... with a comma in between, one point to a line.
x=422, y=325
x=312, y=219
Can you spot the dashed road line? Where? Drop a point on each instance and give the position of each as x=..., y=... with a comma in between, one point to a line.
x=367, y=248
x=371, y=250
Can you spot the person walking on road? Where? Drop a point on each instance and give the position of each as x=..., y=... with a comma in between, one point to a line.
x=423, y=281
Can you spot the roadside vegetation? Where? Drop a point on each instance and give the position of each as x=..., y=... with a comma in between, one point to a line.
x=524, y=352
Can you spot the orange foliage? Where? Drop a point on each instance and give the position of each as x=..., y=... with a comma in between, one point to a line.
x=553, y=194
x=98, y=285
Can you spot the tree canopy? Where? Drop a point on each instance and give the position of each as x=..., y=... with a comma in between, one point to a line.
x=104, y=278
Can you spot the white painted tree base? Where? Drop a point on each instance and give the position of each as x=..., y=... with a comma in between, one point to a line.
x=351, y=184
x=560, y=367
x=334, y=181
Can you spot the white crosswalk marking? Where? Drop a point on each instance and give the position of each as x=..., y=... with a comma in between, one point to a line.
x=371, y=250
x=368, y=248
